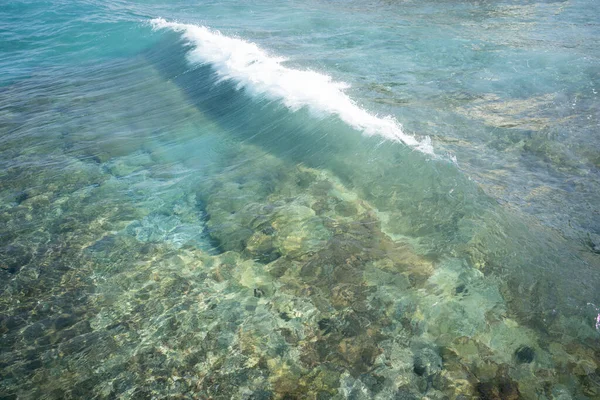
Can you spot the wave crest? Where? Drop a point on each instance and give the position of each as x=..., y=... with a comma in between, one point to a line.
x=260, y=74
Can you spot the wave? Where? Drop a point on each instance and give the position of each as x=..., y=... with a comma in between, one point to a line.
x=252, y=69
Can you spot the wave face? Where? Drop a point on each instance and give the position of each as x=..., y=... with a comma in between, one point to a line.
x=252, y=69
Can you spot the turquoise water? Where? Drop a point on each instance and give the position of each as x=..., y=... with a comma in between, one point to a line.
x=312, y=200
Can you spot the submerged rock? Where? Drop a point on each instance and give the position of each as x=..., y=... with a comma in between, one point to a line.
x=503, y=389
x=427, y=362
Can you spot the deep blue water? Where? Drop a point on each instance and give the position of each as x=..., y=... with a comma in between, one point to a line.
x=358, y=199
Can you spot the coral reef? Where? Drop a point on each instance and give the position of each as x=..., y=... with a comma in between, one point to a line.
x=268, y=280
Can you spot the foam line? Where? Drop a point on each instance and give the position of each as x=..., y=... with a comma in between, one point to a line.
x=260, y=74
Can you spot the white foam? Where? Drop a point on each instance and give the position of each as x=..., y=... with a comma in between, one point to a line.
x=253, y=69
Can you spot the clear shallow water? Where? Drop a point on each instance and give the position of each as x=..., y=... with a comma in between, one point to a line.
x=202, y=224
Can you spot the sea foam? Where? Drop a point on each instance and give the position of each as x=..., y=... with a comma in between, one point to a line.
x=260, y=74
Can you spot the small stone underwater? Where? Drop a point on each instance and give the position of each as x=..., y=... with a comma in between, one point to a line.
x=181, y=226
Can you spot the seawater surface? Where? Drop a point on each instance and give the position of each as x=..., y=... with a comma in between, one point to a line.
x=300, y=199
